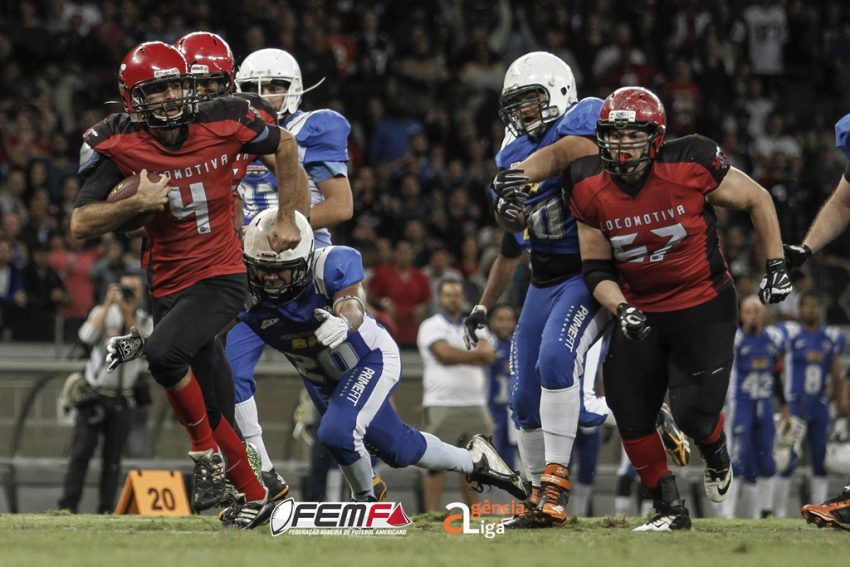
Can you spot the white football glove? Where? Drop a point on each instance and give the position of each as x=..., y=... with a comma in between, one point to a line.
x=124, y=349
x=334, y=330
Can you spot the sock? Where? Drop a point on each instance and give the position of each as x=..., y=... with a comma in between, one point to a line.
x=781, y=493
x=359, y=477
x=559, y=411
x=249, y=424
x=622, y=505
x=764, y=485
x=648, y=457
x=439, y=456
x=238, y=469
x=531, y=450
x=819, y=487
x=726, y=509
x=580, y=498
x=715, y=434
x=752, y=506
x=189, y=407
x=715, y=454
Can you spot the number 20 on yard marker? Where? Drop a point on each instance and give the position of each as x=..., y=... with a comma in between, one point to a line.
x=153, y=493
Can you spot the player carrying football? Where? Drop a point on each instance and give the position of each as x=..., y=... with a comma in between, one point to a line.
x=646, y=218
x=193, y=252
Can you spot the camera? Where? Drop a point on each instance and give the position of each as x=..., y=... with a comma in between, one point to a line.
x=128, y=293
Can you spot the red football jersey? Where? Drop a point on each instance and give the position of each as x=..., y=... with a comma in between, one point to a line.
x=663, y=234
x=194, y=238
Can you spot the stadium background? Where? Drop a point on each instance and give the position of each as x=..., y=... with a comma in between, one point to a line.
x=419, y=82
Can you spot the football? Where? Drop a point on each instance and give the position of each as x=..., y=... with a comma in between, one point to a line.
x=126, y=189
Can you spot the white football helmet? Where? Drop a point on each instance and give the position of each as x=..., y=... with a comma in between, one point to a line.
x=291, y=266
x=539, y=88
x=268, y=65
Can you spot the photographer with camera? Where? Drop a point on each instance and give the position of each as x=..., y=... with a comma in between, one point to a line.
x=103, y=401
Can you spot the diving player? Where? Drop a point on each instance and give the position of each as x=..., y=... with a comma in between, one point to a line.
x=309, y=305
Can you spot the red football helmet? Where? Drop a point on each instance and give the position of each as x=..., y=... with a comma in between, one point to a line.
x=209, y=59
x=153, y=70
x=630, y=108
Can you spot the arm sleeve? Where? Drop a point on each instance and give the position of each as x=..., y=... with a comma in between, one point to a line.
x=325, y=137
x=101, y=179
x=265, y=142
x=337, y=267
x=710, y=164
x=321, y=171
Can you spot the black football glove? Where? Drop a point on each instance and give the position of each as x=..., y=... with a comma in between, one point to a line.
x=511, y=208
x=796, y=255
x=632, y=322
x=477, y=320
x=509, y=181
x=776, y=283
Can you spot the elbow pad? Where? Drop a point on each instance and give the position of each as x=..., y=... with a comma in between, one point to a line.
x=597, y=271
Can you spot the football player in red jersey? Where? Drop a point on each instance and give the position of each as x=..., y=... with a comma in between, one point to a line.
x=194, y=254
x=646, y=219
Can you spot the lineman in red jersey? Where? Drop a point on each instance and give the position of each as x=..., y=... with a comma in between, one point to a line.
x=197, y=275
x=646, y=218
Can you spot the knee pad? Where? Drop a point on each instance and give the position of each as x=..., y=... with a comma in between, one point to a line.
x=166, y=366
x=556, y=367
x=338, y=442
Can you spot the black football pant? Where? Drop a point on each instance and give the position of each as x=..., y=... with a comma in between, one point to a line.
x=688, y=351
x=185, y=327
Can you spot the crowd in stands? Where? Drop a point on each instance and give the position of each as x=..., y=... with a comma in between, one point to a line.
x=420, y=81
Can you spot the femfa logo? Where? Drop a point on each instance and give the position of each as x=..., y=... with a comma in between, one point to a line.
x=339, y=518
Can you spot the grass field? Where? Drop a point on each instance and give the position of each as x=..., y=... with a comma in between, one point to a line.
x=132, y=541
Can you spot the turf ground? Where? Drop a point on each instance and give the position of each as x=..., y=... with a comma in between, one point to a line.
x=132, y=541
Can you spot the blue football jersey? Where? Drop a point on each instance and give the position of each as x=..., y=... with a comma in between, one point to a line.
x=756, y=356
x=808, y=359
x=842, y=135
x=322, y=138
x=550, y=227
x=291, y=328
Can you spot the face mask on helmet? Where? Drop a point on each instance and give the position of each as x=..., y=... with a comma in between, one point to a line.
x=278, y=282
x=213, y=85
x=625, y=148
x=164, y=102
x=527, y=110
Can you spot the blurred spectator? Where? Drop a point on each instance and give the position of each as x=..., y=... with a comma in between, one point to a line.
x=402, y=292
x=113, y=263
x=439, y=270
x=767, y=33
x=682, y=99
x=73, y=260
x=12, y=295
x=44, y=295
